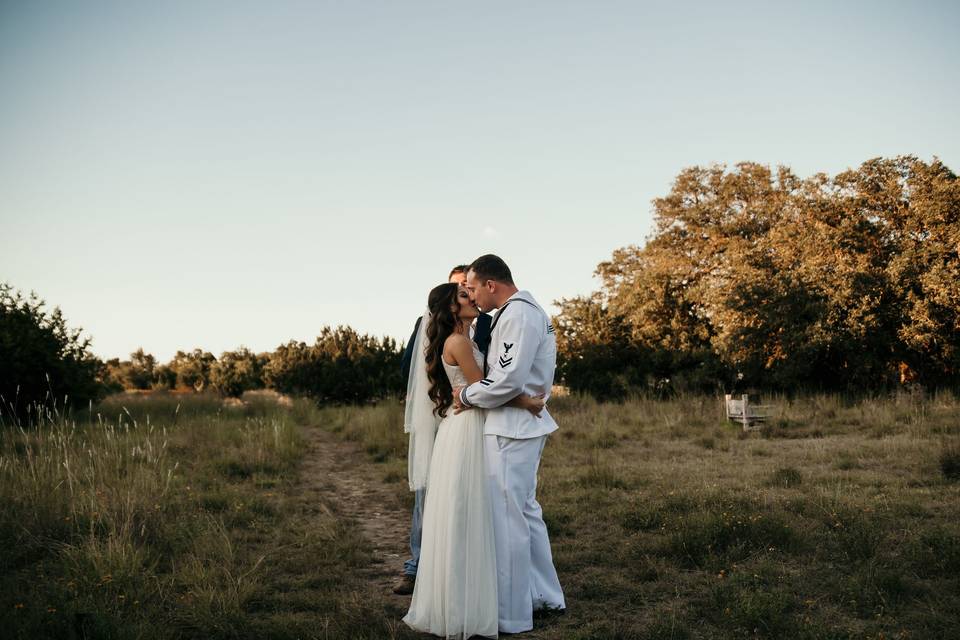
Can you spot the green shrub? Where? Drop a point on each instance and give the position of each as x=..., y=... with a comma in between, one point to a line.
x=44, y=365
x=341, y=367
x=238, y=371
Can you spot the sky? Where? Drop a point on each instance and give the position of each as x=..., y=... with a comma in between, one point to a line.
x=216, y=174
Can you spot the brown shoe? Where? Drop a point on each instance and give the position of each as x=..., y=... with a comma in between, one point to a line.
x=404, y=586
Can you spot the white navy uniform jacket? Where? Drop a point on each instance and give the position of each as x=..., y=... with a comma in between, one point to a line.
x=521, y=359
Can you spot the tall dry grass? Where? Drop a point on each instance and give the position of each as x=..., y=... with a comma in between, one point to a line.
x=113, y=526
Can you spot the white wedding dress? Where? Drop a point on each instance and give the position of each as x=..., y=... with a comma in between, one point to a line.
x=455, y=595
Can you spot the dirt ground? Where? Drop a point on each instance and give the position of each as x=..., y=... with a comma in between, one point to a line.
x=340, y=471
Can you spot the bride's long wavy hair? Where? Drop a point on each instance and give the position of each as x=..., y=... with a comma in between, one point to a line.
x=444, y=318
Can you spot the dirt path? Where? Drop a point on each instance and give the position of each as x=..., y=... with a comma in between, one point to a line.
x=341, y=471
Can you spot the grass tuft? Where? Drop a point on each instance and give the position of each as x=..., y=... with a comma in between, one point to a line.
x=786, y=477
x=751, y=605
x=716, y=536
x=950, y=460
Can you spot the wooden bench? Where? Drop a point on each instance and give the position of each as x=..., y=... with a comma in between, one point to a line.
x=740, y=410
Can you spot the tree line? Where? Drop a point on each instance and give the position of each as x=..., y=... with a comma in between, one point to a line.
x=757, y=278
x=341, y=366
x=44, y=364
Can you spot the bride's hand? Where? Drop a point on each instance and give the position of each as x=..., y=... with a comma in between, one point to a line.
x=457, y=405
x=534, y=404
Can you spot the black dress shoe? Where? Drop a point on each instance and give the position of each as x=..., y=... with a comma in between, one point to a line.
x=404, y=586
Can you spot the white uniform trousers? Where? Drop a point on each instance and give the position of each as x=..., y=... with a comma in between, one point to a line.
x=526, y=577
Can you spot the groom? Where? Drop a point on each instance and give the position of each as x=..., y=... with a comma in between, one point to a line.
x=521, y=359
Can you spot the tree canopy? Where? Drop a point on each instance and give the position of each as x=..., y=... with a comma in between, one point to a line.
x=840, y=283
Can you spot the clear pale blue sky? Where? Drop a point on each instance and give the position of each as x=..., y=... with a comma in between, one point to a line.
x=215, y=174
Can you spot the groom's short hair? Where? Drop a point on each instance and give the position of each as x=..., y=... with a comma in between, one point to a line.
x=491, y=267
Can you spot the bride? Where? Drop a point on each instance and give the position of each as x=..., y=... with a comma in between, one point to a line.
x=455, y=595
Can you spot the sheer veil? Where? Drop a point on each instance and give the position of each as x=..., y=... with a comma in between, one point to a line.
x=419, y=421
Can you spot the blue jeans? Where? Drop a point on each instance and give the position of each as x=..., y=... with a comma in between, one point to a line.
x=416, y=533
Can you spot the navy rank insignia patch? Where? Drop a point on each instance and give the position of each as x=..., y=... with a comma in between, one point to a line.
x=505, y=358
x=550, y=328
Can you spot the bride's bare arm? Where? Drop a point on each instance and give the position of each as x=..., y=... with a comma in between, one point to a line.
x=458, y=350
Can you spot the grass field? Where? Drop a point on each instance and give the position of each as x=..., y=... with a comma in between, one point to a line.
x=174, y=517
x=177, y=516
x=839, y=520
